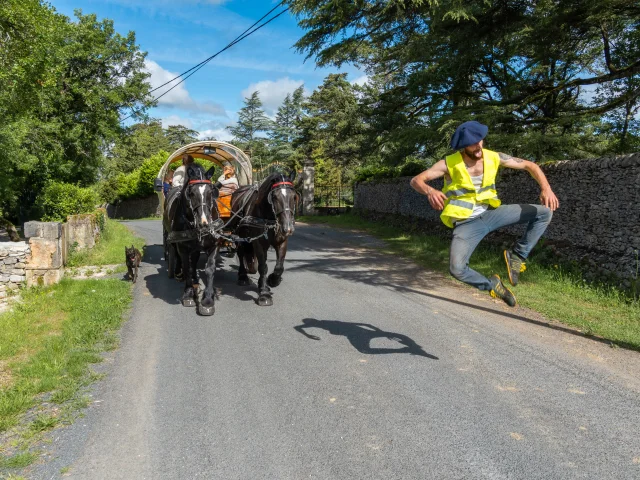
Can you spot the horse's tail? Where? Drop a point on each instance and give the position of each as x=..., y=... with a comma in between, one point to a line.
x=249, y=259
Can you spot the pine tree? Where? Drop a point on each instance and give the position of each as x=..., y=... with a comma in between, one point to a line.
x=285, y=128
x=251, y=121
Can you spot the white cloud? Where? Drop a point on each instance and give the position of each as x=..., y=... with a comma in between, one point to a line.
x=272, y=93
x=360, y=80
x=221, y=134
x=176, y=120
x=177, y=97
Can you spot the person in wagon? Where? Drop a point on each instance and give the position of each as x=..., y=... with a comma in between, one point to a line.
x=168, y=181
x=227, y=182
x=181, y=171
x=470, y=205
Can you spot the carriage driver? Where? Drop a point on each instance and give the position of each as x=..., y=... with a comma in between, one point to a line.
x=470, y=205
x=181, y=171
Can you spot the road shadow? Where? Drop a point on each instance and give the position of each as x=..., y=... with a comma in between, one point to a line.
x=169, y=290
x=159, y=284
x=379, y=269
x=360, y=335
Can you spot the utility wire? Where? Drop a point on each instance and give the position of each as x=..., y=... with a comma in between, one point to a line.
x=233, y=42
x=249, y=31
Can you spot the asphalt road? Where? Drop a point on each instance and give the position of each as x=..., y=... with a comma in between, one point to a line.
x=365, y=367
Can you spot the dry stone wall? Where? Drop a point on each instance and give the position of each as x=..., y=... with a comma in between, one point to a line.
x=14, y=257
x=597, y=224
x=136, y=208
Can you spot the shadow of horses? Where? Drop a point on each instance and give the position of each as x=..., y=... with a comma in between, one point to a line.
x=360, y=335
x=169, y=290
x=159, y=284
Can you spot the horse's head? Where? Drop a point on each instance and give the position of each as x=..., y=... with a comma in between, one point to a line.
x=283, y=199
x=199, y=198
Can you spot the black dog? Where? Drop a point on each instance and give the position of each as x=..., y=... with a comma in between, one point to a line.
x=133, y=261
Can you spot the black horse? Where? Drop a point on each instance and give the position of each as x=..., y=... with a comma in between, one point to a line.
x=266, y=212
x=191, y=216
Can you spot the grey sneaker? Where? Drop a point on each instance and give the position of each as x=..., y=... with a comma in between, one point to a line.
x=501, y=292
x=515, y=266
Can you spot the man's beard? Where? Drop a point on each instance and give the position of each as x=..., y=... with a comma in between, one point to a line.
x=474, y=153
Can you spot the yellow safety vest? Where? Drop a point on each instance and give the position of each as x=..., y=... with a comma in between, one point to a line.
x=461, y=194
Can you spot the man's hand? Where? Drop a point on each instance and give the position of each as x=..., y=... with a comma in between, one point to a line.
x=419, y=184
x=436, y=199
x=549, y=199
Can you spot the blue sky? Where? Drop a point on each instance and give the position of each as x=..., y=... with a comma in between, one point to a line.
x=177, y=34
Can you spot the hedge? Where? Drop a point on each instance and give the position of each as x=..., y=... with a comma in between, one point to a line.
x=59, y=200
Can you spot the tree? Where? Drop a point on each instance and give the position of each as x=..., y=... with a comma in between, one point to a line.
x=251, y=121
x=135, y=144
x=179, y=136
x=285, y=128
x=64, y=85
x=332, y=122
x=518, y=66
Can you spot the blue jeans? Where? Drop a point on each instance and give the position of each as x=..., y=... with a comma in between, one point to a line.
x=468, y=233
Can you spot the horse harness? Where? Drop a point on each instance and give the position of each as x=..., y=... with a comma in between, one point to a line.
x=248, y=221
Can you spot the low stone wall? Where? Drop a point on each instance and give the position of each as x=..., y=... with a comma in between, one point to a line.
x=48, y=252
x=13, y=261
x=597, y=224
x=81, y=231
x=136, y=208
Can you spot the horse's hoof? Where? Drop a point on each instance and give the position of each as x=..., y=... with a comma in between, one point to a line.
x=206, y=311
x=265, y=300
x=188, y=302
x=244, y=282
x=273, y=281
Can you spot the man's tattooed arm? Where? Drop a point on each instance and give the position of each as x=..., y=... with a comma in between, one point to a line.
x=506, y=160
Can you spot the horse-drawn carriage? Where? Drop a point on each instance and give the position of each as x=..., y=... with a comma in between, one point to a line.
x=196, y=218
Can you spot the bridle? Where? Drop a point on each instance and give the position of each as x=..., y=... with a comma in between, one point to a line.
x=199, y=205
x=284, y=185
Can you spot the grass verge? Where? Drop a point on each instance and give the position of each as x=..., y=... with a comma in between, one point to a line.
x=557, y=294
x=47, y=342
x=110, y=247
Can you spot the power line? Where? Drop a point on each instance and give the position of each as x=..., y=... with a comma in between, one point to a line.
x=237, y=39
x=197, y=67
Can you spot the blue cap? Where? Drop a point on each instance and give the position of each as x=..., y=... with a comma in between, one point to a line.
x=467, y=134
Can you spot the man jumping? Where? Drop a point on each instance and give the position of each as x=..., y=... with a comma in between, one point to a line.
x=470, y=205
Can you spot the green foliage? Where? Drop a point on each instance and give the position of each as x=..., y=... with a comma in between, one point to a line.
x=64, y=84
x=286, y=129
x=136, y=143
x=59, y=200
x=332, y=126
x=375, y=172
x=148, y=171
x=251, y=121
x=413, y=167
x=526, y=69
x=179, y=136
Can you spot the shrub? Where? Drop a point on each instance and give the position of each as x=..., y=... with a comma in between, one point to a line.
x=128, y=184
x=59, y=200
x=147, y=173
x=412, y=167
x=375, y=172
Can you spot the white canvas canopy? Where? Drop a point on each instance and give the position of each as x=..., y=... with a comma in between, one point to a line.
x=220, y=153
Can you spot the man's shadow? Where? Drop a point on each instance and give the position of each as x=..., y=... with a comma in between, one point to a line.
x=361, y=334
